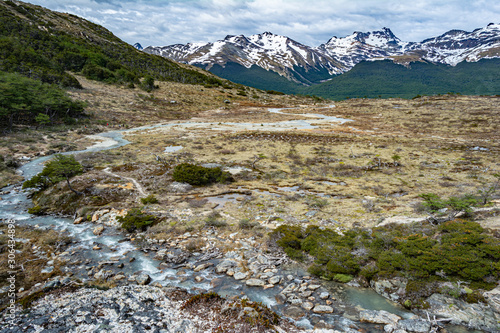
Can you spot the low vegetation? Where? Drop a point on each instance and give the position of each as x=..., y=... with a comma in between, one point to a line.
x=32, y=255
x=25, y=101
x=136, y=219
x=236, y=315
x=455, y=250
x=198, y=175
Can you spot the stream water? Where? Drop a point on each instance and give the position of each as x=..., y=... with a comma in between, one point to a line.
x=116, y=249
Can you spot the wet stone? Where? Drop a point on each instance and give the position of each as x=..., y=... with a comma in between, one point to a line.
x=322, y=309
x=307, y=306
x=143, y=279
x=294, y=312
x=280, y=299
x=255, y=283
x=275, y=279
x=324, y=295
x=98, y=230
x=240, y=276
x=202, y=267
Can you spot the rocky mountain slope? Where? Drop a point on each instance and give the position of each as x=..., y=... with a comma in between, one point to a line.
x=308, y=65
x=268, y=51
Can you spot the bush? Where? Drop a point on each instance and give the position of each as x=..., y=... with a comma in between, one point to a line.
x=247, y=224
x=453, y=250
x=136, y=219
x=148, y=84
x=213, y=220
x=150, y=199
x=27, y=102
x=198, y=175
x=432, y=202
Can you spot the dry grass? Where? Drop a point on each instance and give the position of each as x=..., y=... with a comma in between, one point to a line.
x=32, y=255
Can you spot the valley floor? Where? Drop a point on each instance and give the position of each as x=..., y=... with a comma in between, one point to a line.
x=292, y=166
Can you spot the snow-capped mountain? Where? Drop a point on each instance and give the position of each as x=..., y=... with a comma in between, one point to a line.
x=269, y=51
x=307, y=65
x=361, y=46
x=456, y=46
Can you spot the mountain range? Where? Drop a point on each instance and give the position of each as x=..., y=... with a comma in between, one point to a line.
x=234, y=56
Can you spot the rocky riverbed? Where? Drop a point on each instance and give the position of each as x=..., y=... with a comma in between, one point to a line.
x=245, y=271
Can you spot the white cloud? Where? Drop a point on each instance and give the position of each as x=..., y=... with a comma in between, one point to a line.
x=164, y=22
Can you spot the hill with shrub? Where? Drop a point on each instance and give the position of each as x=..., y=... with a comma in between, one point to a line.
x=48, y=47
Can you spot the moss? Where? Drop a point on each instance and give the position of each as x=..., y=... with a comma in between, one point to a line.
x=416, y=292
x=26, y=301
x=474, y=297
x=36, y=210
x=204, y=298
x=342, y=278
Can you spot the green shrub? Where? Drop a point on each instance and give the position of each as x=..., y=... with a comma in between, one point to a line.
x=368, y=272
x=136, y=219
x=453, y=250
x=26, y=101
x=432, y=202
x=150, y=199
x=198, y=175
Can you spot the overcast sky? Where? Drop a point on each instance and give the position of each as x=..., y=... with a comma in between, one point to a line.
x=311, y=22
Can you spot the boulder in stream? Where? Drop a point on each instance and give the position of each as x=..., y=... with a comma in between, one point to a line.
x=378, y=317
x=98, y=230
x=294, y=312
x=255, y=283
x=322, y=309
x=143, y=279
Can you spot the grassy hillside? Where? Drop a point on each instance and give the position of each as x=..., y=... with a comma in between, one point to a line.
x=47, y=47
x=385, y=79
x=43, y=44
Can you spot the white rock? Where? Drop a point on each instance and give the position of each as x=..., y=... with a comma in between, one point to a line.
x=240, y=275
x=255, y=283
x=322, y=309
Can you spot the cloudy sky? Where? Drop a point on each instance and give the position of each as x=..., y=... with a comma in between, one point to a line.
x=311, y=22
